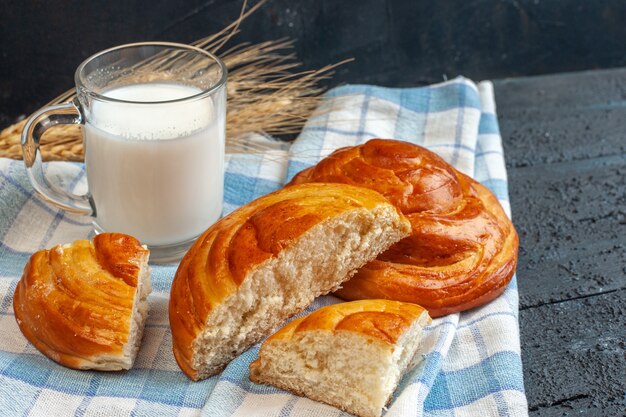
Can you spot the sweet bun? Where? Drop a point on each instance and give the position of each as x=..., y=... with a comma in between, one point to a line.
x=84, y=304
x=463, y=248
x=267, y=261
x=348, y=355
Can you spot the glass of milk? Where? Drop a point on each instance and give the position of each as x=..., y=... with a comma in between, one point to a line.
x=153, y=117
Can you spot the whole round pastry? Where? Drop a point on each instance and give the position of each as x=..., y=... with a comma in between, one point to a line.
x=463, y=248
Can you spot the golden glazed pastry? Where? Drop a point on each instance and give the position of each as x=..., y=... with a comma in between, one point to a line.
x=267, y=261
x=349, y=355
x=84, y=304
x=463, y=248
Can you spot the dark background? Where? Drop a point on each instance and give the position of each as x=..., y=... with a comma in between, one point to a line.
x=394, y=42
x=563, y=134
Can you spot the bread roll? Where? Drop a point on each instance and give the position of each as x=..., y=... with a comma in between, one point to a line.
x=349, y=355
x=463, y=248
x=84, y=304
x=267, y=261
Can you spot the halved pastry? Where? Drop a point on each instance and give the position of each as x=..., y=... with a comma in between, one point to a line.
x=267, y=261
x=84, y=304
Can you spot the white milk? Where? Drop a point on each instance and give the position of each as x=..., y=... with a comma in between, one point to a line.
x=156, y=171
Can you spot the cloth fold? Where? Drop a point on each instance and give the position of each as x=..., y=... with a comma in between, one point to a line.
x=470, y=362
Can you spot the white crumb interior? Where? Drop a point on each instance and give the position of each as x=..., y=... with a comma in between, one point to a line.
x=344, y=369
x=321, y=259
x=137, y=321
x=139, y=315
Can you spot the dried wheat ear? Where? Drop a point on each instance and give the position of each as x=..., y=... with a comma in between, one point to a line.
x=264, y=95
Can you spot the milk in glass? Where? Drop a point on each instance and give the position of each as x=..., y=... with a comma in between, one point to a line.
x=156, y=169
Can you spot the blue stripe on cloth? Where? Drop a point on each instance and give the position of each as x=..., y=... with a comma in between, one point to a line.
x=27, y=194
x=240, y=189
x=20, y=369
x=89, y=395
x=489, y=372
x=162, y=278
x=426, y=371
x=363, y=115
x=152, y=389
x=229, y=397
x=71, y=382
x=472, y=322
x=459, y=127
x=131, y=385
x=150, y=409
x=287, y=408
x=488, y=124
x=410, y=125
x=11, y=203
x=18, y=397
x=485, y=317
x=434, y=147
x=146, y=384
x=328, y=129
x=5, y=360
x=294, y=168
x=433, y=363
x=513, y=283
x=7, y=299
x=498, y=187
x=458, y=93
x=481, y=154
x=6, y=250
x=501, y=364
x=198, y=393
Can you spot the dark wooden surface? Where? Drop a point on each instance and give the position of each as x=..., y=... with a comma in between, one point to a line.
x=565, y=144
x=564, y=135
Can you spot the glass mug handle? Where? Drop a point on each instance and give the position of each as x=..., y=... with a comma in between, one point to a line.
x=39, y=122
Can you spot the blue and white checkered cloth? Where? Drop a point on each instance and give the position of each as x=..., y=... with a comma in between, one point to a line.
x=471, y=361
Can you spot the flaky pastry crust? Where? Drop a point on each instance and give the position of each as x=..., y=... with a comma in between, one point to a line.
x=463, y=247
x=222, y=258
x=74, y=302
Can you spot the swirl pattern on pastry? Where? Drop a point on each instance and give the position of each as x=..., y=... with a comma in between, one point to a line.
x=268, y=260
x=348, y=355
x=381, y=320
x=83, y=304
x=463, y=248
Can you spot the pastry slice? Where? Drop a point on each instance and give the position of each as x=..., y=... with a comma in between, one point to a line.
x=267, y=261
x=349, y=355
x=84, y=304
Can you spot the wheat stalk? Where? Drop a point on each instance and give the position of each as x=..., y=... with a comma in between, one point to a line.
x=264, y=95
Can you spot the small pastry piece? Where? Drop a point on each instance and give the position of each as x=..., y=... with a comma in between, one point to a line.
x=463, y=248
x=267, y=261
x=349, y=355
x=84, y=304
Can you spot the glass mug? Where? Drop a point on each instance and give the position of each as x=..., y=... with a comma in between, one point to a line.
x=153, y=117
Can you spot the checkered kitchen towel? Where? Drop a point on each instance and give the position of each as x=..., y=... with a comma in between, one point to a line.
x=471, y=361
